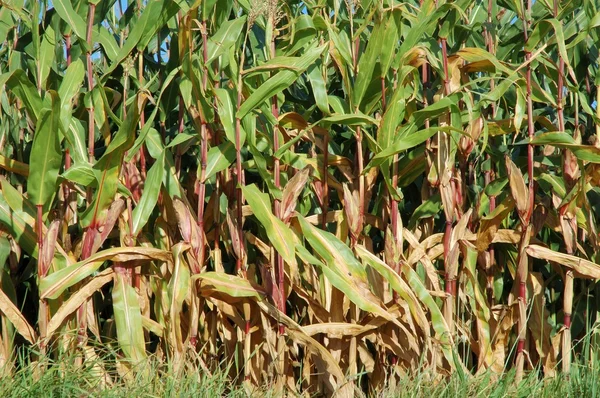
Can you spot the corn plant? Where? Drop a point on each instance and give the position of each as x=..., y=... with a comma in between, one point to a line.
x=319, y=196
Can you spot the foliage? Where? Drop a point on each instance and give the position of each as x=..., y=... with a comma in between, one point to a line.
x=327, y=195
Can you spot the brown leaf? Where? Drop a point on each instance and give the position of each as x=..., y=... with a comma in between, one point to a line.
x=191, y=233
x=77, y=299
x=12, y=313
x=582, y=268
x=49, y=247
x=447, y=194
x=292, y=190
x=518, y=188
x=236, y=239
x=337, y=329
x=352, y=212
x=115, y=210
x=488, y=226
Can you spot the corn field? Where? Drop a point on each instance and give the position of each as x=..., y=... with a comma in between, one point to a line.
x=327, y=194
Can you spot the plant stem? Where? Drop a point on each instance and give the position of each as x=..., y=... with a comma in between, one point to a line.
x=325, y=182
x=66, y=190
x=180, y=116
x=450, y=278
x=523, y=263
x=325, y=172
x=238, y=163
x=277, y=177
x=142, y=116
x=394, y=212
x=43, y=310
x=355, y=235
x=201, y=185
x=217, y=210
x=82, y=311
x=489, y=175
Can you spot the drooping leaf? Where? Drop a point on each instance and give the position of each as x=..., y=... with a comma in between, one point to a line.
x=55, y=283
x=280, y=235
x=128, y=320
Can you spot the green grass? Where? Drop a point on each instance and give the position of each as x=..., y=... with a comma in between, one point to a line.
x=63, y=379
x=582, y=382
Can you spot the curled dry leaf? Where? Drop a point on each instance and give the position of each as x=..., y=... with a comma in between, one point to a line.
x=351, y=210
x=519, y=190
x=292, y=191
x=581, y=267
x=49, y=247
x=79, y=298
x=12, y=313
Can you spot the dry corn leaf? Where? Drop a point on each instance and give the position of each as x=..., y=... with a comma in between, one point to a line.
x=581, y=267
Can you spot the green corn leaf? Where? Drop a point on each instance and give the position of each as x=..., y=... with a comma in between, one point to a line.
x=398, y=284
x=219, y=158
x=358, y=293
x=128, y=320
x=231, y=285
x=437, y=319
x=46, y=55
x=225, y=37
x=335, y=253
x=152, y=185
x=154, y=16
x=53, y=285
x=69, y=88
x=46, y=156
x=225, y=106
x=319, y=86
x=408, y=138
x=588, y=153
x=279, y=82
x=22, y=87
x=82, y=174
x=65, y=10
x=108, y=167
x=178, y=289
x=280, y=235
x=356, y=119
x=75, y=140
x=18, y=223
x=366, y=64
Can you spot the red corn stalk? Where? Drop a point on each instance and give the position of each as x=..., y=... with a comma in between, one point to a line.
x=566, y=333
x=81, y=312
x=277, y=203
x=68, y=48
x=241, y=258
x=523, y=263
x=136, y=276
x=489, y=175
x=43, y=315
x=217, y=212
x=66, y=190
x=203, y=143
x=358, y=135
x=570, y=171
x=325, y=182
x=201, y=182
x=448, y=188
x=180, y=122
x=142, y=116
